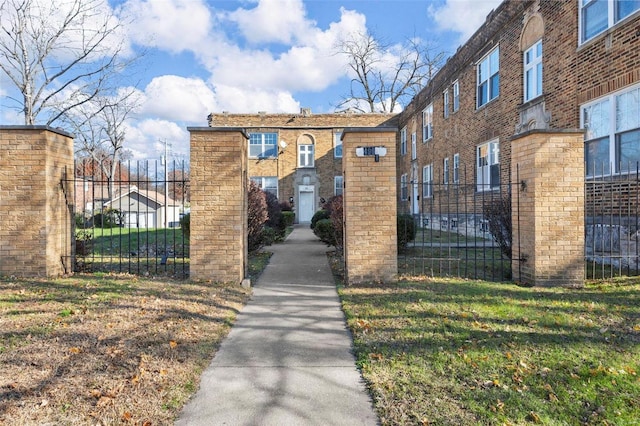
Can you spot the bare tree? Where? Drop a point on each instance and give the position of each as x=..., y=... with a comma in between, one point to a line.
x=59, y=54
x=99, y=126
x=386, y=75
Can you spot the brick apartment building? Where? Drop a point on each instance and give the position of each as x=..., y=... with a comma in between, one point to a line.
x=539, y=64
x=534, y=64
x=298, y=157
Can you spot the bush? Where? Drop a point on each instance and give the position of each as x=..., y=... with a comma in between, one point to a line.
x=335, y=208
x=406, y=230
x=288, y=217
x=274, y=213
x=84, y=243
x=185, y=225
x=285, y=206
x=109, y=218
x=325, y=231
x=269, y=236
x=497, y=212
x=257, y=216
x=319, y=215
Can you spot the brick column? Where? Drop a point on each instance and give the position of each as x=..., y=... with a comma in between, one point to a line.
x=36, y=199
x=370, y=210
x=547, y=168
x=218, y=240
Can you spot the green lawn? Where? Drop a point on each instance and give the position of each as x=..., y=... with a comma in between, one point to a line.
x=453, y=352
x=136, y=241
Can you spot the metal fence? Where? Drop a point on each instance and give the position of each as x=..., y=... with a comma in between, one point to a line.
x=461, y=230
x=612, y=223
x=127, y=218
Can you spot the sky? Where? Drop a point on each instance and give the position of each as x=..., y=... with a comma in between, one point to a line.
x=204, y=56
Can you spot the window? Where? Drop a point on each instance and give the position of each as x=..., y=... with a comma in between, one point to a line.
x=427, y=123
x=404, y=189
x=456, y=168
x=305, y=156
x=414, y=148
x=596, y=16
x=456, y=96
x=403, y=141
x=533, y=72
x=489, y=77
x=267, y=183
x=263, y=145
x=612, y=133
x=445, y=171
x=488, y=167
x=445, y=103
x=338, y=185
x=427, y=181
x=337, y=145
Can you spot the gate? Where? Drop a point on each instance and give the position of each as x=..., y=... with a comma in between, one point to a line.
x=461, y=230
x=135, y=222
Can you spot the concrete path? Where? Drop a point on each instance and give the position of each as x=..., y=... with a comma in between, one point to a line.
x=288, y=359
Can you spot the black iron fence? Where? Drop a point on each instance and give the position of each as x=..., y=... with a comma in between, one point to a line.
x=130, y=218
x=461, y=230
x=612, y=223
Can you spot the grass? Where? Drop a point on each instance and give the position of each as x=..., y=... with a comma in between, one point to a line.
x=428, y=235
x=136, y=241
x=452, y=352
x=107, y=349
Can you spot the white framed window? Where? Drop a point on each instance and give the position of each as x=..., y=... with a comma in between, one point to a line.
x=404, y=188
x=427, y=123
x=456, y=96
x=263, y=145
x=305, y=155
x=338, y=185
x=403, y=141
x=596, y=16
x=456, y=168
x=488, y=166
x=267, y=183
x=445, y=103
x=445, y=171
x=488, y=77
x=337, y=145
x=612, y=138
x=414, y=147
x=427, y=181
x=533, y=71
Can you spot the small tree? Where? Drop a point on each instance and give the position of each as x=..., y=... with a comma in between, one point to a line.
x=497, y=212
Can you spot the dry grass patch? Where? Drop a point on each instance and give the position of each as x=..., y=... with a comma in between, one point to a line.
x=107, y=349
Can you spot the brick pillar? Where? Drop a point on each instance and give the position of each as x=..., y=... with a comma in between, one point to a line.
x=547, y=168
x=218, y=240
x=36, y=201
x=370, y=210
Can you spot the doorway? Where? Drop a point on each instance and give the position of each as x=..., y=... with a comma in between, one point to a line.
x=305, y=203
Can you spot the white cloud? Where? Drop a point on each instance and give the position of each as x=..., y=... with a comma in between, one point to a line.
x=145, y=138
x=177, y=98
x=462, y=16
x=173, y=25
x=247, y=99
x=279, y=21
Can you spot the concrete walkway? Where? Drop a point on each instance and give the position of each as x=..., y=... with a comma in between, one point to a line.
x=288, y=359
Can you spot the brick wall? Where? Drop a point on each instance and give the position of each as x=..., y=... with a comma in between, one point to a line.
x=548, y=209
x=218, y=204
x=370, y=234
x=35, y=204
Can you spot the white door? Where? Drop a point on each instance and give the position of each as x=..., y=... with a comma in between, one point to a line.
x=415, y=203
x=305, y=207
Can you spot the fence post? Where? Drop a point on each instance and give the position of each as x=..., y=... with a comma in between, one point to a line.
x=548, y=235
x=218, y=237
x=370, y=205
x=35, y=197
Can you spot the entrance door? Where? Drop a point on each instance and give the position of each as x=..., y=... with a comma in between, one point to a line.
x=415, y=202
x=305, y=206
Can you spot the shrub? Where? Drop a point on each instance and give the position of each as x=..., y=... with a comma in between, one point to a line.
x=269, y=236
x=319, y=215
x=288, y=217
x=84, y=243
x=497, y=212
x=325, y=231
x=185, y=225
x=335, y=208
x=406, y=230
x=110, y=218
x=274, y=213
x=257, y=215
x=285, y=206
